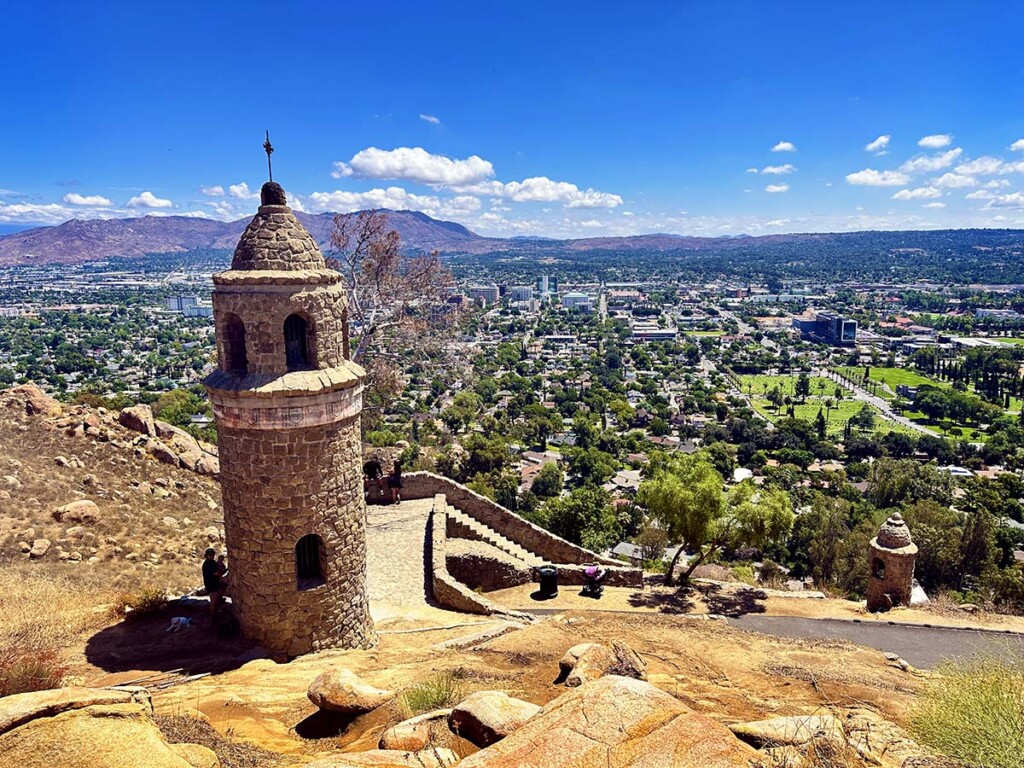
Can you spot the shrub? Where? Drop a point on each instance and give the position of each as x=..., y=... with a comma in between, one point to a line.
x=974, y=712
x=140, y=603
x=438, y=692
x=28, y=662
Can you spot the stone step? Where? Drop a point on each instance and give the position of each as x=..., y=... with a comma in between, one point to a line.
x=489, y=535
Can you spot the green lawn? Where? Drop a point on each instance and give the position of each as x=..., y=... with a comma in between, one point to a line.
x=704, y=333
x=1009, y=340
x=760, y=384
x=891, y=377
x=837, y=417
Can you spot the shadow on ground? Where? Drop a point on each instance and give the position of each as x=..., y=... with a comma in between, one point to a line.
x=665, y=599
x=145, y=644
x=734, y=601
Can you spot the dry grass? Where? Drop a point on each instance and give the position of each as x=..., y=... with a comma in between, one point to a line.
x=138, y=603
x=43, y=616
x=974, y=712
x=185, y=729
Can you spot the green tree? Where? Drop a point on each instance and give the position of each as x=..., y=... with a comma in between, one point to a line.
x=585, y=517
x=549, y=481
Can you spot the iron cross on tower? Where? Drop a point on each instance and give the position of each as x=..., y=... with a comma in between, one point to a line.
x=269, y=149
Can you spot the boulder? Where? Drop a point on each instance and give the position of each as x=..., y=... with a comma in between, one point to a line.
x=598, y=660
x=39, y=548
x=161, y=452
x=138, y=418
x=196, y=755
x=36, y=402
x=340, y=690
x=415, y=733
x=436, y=757
x=486, y=717
x=572, y=656
x=82, y=511
x=208, y=465
x=616, y=721
x=789, y=731
x=86, y=728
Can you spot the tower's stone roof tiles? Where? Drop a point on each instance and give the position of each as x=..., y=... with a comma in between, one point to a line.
x=894, y=533
x=275, y=239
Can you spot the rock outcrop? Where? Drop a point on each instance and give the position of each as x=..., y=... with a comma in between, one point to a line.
x=138, y=418
x=789, y=731
x=589, y=661
x=415, y=733
x=341, y=690
x=82, y=512
x=616, y=721
x=486, y=717
x=89, y=728
x=389, y=758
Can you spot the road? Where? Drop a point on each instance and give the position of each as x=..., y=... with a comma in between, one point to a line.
x=881, y=404
x=922, y=647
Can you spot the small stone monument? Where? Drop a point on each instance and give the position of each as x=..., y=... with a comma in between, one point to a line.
x=892, y=565
x=287, y=400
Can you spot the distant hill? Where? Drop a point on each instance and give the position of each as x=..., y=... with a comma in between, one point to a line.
x=75, y=241
x=994, y=253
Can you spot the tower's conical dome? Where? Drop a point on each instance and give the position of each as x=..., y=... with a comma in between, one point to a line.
x=275, y=240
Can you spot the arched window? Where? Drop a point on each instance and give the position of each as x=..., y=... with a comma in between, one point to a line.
x=296, y=342
x=308, y=567
x=236, y=359
x=878, y=568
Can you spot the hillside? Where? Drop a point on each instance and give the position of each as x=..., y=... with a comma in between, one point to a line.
x=76, y=242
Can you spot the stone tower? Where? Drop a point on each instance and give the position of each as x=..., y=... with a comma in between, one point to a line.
x=286, y=401
x=892, y=565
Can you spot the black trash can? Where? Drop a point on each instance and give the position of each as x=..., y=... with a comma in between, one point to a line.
x=548, y=581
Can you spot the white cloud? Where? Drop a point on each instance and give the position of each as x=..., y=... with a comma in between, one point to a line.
x=414, y=164
x=784, y=146
x=215, y=191
x=751, y=170
x=777, y=223
x=778, y=169
x=33, y=213
x=393, y=198
x=433, y=120
x=921, y=193
x=934, y=205
x=986, y=165
x=148, y=200
x=878, y=145
x=935, y=141
x=76, y=199
x=224, y=209
x=979, y=194
x=241, y=192
x=872, y=178
x=931, y=162
x=1017, y=146
x=591, y=224
x=1012, y=200
x=775, y=188
x=954, y=181
x=541, y=189
x=997, y=183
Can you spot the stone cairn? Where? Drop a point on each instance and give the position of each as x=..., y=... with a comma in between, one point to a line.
x=892, y=565
x=286, y=402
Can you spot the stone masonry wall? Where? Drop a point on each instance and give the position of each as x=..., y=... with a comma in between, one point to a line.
x=895, y=588
x=423, y=485
x=278, y=486
x=263, y=309
x=276, y=240
x=480, y=566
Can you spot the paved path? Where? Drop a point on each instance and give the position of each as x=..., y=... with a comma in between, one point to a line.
x=921, y=646
x=396, y=558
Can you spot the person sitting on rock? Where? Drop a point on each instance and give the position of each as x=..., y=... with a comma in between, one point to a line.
x=212, y=581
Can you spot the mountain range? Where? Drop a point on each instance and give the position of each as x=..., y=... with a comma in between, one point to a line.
x=78, y=241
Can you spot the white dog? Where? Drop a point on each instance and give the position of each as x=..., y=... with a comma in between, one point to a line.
x=179, y=623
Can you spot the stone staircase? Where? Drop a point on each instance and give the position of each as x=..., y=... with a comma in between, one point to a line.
x=461, y=525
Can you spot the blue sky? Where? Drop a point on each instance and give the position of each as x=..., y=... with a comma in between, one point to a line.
x=560, y=119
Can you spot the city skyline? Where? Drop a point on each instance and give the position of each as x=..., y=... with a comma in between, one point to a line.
x=596, y=120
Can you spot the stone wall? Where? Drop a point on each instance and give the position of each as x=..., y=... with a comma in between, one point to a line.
x=448, y=591
x=894, y=587
x=480, y=566
x=278, y=486
x=424, y=485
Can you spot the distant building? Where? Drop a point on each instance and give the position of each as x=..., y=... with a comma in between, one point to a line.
x=547, y=283
x=652, y=332
x=198, y=310
x=1001, y=315
x=488, y=294
x=828, y=328
x=520, y=293
x=580, y=301
x=180, y=303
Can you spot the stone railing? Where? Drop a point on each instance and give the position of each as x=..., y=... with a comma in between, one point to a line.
x=544, y=544
x=448, y=591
